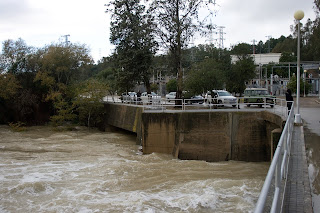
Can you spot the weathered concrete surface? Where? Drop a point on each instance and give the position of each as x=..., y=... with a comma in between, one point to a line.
x=127, y=117
x=159, y=132
x=210, y=136
x=123, y=116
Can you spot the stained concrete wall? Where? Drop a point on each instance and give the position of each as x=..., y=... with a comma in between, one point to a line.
x=127, y=117
x=210, y=136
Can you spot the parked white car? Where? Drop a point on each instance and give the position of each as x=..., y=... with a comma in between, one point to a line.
x=220, y=97
x=150, y=98
x=171, y=96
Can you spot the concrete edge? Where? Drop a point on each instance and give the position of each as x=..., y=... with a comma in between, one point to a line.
x=308, y=207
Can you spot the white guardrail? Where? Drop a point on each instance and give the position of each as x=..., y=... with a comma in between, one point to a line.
x=278, y=105
x=278, y=170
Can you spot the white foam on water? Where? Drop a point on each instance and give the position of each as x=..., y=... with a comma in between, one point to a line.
x=3, y=210
x=34, y=189
x=102, y=172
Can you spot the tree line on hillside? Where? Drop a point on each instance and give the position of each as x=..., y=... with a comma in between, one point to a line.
x=50, y=83
x=60, y=83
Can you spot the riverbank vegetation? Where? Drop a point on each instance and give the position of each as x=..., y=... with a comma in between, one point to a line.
x=60, y=83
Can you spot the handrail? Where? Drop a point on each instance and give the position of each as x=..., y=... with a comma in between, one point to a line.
x=278, y=168
x=166, y=105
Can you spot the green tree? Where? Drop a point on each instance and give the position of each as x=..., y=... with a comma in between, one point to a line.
x=304, y=85
x=287, y=57
x=20, y=97
x=9, y=86
x=88, y=100
x=107, y=76
x=59, y=67
x=132, y=34
x=178, y=21
x=311, y=38
x=287, y=44
x=240, y=72
x=171, y=85
x=241, y=49
x=64, y=112
x=205, y=76
x=14, y=57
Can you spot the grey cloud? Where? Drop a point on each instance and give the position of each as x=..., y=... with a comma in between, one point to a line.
x=13, y=10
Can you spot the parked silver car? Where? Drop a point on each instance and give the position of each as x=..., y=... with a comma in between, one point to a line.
x=128, y=97
x=152, y=97
x=171, y=96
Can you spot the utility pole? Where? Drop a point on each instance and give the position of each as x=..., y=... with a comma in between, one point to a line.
x=254, y=46
x=269, y=37
x=66, y=39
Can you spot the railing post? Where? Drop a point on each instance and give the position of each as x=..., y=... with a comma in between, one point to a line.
x=275, y=204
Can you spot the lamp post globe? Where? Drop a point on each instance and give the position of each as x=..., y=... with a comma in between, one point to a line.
x=298, y=15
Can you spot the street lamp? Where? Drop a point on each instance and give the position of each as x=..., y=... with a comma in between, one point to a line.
x=298, y=15
x=319, y=83
x=304, y=81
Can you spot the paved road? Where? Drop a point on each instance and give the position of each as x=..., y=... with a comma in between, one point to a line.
x=310, y=114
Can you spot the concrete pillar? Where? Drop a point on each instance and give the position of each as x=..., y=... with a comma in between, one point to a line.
x=275, y=137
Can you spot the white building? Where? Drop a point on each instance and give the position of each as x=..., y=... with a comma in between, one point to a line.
x=261, y=59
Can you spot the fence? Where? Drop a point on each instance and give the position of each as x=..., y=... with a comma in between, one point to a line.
x=278, y=170
x=277, y=105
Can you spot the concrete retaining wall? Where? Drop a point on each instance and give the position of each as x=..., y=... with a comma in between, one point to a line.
x=127, y=117
x=210, y=136
x=214, y=136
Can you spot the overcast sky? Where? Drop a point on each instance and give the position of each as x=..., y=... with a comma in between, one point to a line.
x=41, y=22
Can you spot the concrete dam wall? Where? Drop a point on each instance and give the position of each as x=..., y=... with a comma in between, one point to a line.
x=210, y=136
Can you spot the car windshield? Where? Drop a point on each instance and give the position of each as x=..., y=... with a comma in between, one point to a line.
x=255, y=92
x=260, y=92
x=224, y=93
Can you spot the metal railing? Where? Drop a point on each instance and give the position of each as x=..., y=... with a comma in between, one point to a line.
x=277, y=106
x=278, y=170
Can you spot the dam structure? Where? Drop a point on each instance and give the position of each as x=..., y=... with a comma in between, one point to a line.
x=213, y=135
x=209, y=135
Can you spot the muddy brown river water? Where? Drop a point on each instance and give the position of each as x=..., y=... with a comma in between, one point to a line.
x=90, y=171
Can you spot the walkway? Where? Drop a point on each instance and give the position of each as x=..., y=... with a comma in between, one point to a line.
x=298, y=193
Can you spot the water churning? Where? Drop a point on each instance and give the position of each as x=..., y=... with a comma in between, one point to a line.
x=91, y=171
